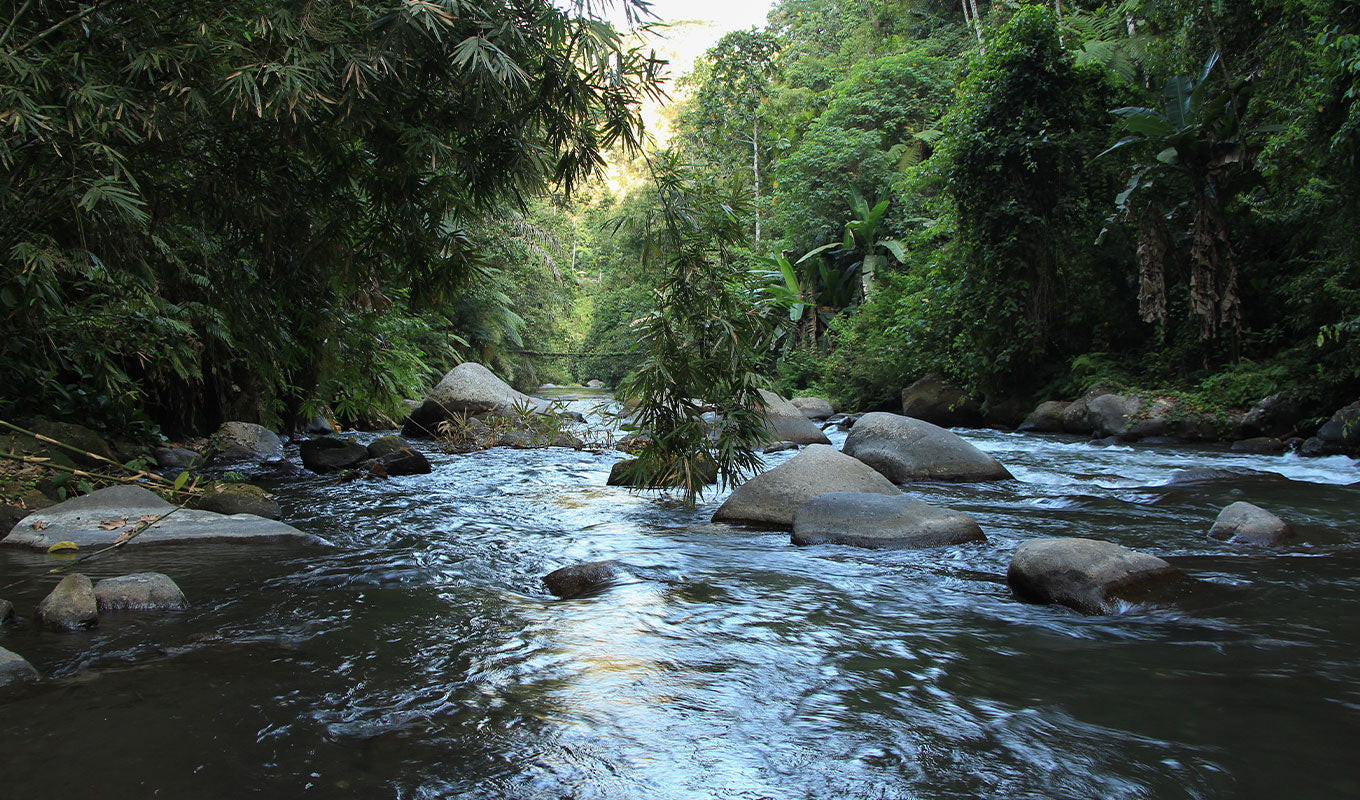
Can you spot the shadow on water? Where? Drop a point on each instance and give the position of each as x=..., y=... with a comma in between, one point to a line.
x=420, y=657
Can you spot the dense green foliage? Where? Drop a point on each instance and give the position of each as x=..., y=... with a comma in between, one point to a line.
x=1071, y=187
x=256, y=209
x=248, y=209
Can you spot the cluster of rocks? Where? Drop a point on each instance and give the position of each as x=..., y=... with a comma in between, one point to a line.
x=76, y=603
x=1273, y=425
x=855, y=497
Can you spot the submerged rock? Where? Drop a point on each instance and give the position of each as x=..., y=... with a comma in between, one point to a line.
x=1089, y=575
x=772, y=497
x=1047, y=417
x=141, y=591
x=70, y=606
x=786, y=423
x=1244, y=523
x=934, y=400
x=15, y=668
x=1260, y=445
x=580, y=579
x=96, y=519
x=6, y=611
x=815, y=408
x=880, y=521
x=242, y=442
x=906, y=449
x=329, y=453
x=621, y=474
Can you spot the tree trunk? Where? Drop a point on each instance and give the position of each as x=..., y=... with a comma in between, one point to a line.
x=755, y=170
x=866, y=273
x=977, y=26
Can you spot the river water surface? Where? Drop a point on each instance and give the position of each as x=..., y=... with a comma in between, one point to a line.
x=420, y=657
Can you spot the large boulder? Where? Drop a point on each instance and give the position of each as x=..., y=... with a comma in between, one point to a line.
x=141, y=591
x=581, y=579
x=815, y=408
x=330, y=453
x=468, y=388
x=174, y=460
x=881, y=522
x=68, y=433
x=1047, y=417
x=98, y=518
x=15, y=668
x=772, y=497
x=906, y=449
x=941, y=403
x=1244, y=523
x=1131, y=418
x=1339, y=435
x=1076, y=417
x=244, y=442
x=1089, y=575
x=237, y=498
x=1273, y=416
x=71, y=605
x=1113, y=414
x=786, y=423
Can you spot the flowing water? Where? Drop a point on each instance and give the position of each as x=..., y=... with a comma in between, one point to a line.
x=419, y=656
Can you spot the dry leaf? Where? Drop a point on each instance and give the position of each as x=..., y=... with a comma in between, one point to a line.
x=123, y=537
x=39, y=524
x=147, y=519
x=110, y=524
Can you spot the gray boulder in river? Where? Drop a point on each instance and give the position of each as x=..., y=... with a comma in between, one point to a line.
x=772, y=497
x=468, y=388
x=237, y=498
x=141, y=591
x=1047, y=417
x=1244, y=523
x=244, y=442
x=814, y=408
x=70, y=606
x=579, y=579
x=1339, y=435
x=1089, y=575
x=15, y=668
x=906, y=449
x=786, y=423
x=331, y=453
x=96, y=519
x=941, y=403
x=880, y=522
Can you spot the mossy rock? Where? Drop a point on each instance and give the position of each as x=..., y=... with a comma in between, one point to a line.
x=237, y=498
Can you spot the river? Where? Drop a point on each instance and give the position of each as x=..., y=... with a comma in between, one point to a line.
x=420, y=657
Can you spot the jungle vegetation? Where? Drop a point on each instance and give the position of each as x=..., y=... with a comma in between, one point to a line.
x=258, y=210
